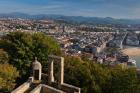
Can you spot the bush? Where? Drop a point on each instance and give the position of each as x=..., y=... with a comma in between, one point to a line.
x=8, y=75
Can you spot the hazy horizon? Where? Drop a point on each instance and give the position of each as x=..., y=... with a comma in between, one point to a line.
x=128, y=9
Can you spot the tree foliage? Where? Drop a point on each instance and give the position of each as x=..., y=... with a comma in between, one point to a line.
x=8, y=75
x=97, y=78
x=124, y=81
x=3, y=56
x=22, y=47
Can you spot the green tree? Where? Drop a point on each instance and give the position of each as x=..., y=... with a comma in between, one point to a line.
x=3, y=56
x=97, y=78
x=22, y=47
x=124, y=81
x=8, y=75
x=91, y=77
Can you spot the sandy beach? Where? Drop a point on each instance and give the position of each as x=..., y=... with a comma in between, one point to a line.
x=132, y=51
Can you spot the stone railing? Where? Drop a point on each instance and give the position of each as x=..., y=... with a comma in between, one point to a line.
x=70, y=88
x=22, y=88
x=37, y=89
x=45, y=89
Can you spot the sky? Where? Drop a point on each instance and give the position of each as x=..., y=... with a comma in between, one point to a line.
x=91, y=8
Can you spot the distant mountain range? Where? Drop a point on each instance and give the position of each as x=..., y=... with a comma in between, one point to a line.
x=78, y=19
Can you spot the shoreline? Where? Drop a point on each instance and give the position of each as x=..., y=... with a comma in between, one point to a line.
x=131, y=51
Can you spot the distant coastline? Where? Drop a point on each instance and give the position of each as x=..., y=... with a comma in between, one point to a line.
x=132, y=51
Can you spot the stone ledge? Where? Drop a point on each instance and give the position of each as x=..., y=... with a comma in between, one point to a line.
x=70, y=88
x=22, y=88
x=46, y=89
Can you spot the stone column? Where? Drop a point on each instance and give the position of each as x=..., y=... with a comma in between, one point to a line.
x=61, y=71
x=40, y=73
x=50, y=72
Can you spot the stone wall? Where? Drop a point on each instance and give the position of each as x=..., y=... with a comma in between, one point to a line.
x=48, y=89
x=45, y=89
x=70, y=88
x=21, y=89
x=37, y=89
